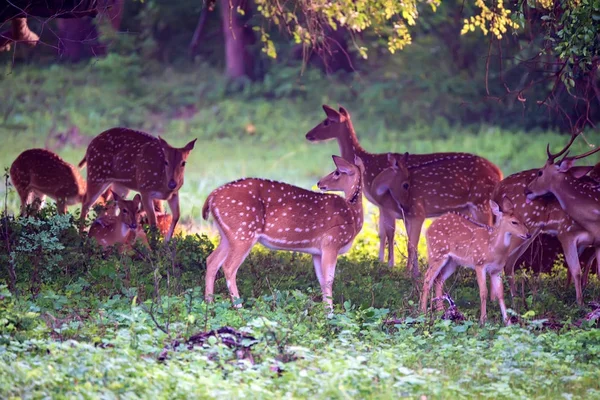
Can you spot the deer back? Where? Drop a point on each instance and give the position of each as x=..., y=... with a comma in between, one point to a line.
x=46, y=172
x=285, y=215
x=440, y=182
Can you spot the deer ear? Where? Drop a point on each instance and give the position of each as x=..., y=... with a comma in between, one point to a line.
x=331, y=113
x=358, y=161
x=580, y=172
x=495, y=208
x=392, y=160
x=343, y=165
x=116, y=196
x=190, y=146
x=565, y=164
x=344, y=113
x=507, y=205
x=137, y=199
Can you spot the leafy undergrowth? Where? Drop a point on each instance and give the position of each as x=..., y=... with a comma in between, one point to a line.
x=96, y=325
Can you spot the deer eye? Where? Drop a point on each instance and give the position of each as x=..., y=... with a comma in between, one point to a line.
x=540, y=173
x=336, y=173
x=326, y=122
x=183, y=163
x=125, y=211
x=166, y=163
x=514, y=223
x=405, y=186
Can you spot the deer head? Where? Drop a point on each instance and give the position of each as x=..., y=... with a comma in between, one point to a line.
x=552, y=173
x=175, y=160
x=395, y=179
x=129, y=210
x=507, y=222
x=332, y=127
x=345, y=178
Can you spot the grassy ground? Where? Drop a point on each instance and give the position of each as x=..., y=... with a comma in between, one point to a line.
x=87, y=330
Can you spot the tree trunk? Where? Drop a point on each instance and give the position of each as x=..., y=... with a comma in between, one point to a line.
x=78, y=39
x=238, y=36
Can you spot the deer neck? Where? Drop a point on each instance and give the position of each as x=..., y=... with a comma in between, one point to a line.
x=499, y=240
x=348, y=143
x=354, y=199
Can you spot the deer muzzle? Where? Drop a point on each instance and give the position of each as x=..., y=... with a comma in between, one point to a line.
x=172, y=184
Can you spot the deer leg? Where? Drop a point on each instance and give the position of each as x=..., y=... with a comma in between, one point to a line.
x=435, y=266
x=235, y=257
x=382, y=235
x=481, y=281
x=24, y=195
x=174, y=206
x=94, y=190
x=61, y=206
x=213, y=263
x=516, y=250
x=572, y=259
x=318, y=271
x=498, y=294
x=445, y=273
x=328, y=264
x=413, y=228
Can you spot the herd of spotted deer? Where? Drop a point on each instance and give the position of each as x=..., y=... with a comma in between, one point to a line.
x=483, y=221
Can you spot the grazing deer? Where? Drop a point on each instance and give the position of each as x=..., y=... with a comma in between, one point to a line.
x=542, y=215
x=37, y=173
x=455, y=239
x=131, y=160
x=285, y=217
x=449, y=181
x=122, y=229
x=578, y=196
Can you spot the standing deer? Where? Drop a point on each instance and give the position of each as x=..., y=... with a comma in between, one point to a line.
x=543, y=215
x=37, y=173
x=285, y=217
x=455, y=239
x=122, y=229
x=578, y=197
x=448, y=181
x=131, y=160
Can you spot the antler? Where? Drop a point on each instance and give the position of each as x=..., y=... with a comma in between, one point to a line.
x=589, y=153
x=552, y=157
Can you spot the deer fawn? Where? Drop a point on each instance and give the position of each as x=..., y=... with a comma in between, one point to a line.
x=458, y=181
x=454, y=239
x=40, y=173
x=577, y=195
x=130, y=160
x=124, y=228
x=543, y=215
x=285, y=217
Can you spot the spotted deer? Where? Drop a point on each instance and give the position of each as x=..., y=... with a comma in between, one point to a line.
x=285, y=217
x=455, y=239
x=121, y=229
x=37, y=173
x=125, y=159
x=577, y=195
x=451, y=181
x=543, y=215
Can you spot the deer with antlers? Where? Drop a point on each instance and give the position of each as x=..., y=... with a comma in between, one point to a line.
x=285, y=217
x=121, y=229
x=543, y=215
x=459, y=182
x=578, y=197
x=455, y=239
x=37, y=173
x=125, y=159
